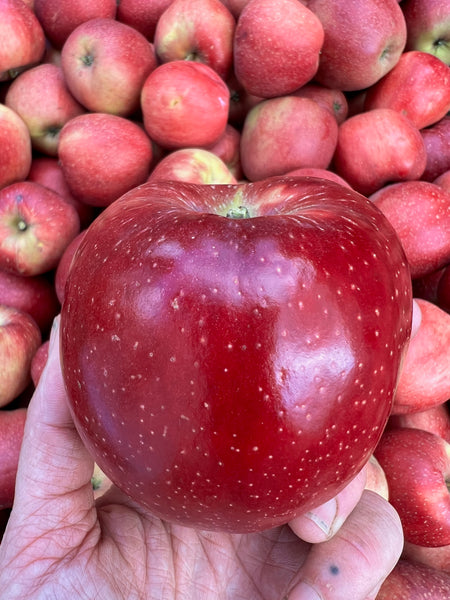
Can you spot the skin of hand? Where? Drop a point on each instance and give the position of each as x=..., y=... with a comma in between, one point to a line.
x=61, y=543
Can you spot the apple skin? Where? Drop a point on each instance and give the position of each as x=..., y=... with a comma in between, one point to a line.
x=437, y=144
x=39, y=361
x=34, y=295
x=142, y=14
x=296, y=36
x=424, y=381
x=193, y=165
x=377, y=147
x=417, y=468
x=36, y=225
x=41, y=98
x=228, y=149
x=12, y=423
x=414, y=581
x=62, y=270
x=426, y=240
x=371, y=35
x=199, y=30
x=443, y=180
x=184, y=104
x=435, y=419
x=237, y=348
x=418, y=86
x=105, y=64
x=436, y=558
x=102, y=156
x=69, y=16
x=240, y=102
x=25, y=38
x=20, y=337
x=334, y=100
x=286, y=133
x=320, y=173
x=15, y=142
x=428, y=25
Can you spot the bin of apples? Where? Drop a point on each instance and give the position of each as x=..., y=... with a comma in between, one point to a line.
x=242, y=211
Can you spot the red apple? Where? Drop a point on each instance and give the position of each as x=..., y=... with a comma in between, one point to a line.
x=437, y=144
x=240, y=101
x=363, y=41
x=418, y=86
x=141, y=14
x=48, y=172
x=184, y=104
x=426, y=239
x=102, y=156
x=226, y=371
x=23, y=39
x=62, y=270
x=15, y=143
x=333, y=99
x=38, y=362
x=228, y=149
x=286, y=133
x=435, y=419
x=321, y=173
x=436, y=558
x=36, y=225
x=41, y=98
x=424, y=379
x=34, y=295
x=199, y=30
x=60, y=17
x=414, y=581
x=105, y=64
x=291, y=57
x=443, y=180
x=377, y=147
x=235, y=6
x=12, y=423
x=194, y=165
x=417, y=468
x=20, y=337
x=428, y=24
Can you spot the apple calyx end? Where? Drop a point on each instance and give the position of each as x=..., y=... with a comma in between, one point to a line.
x=238, y=212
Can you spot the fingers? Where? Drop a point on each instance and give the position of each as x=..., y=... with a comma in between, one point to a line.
x=354, y=562
x=325, y=520
x=53, y=460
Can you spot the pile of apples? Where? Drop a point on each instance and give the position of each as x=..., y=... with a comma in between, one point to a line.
x=97, y=98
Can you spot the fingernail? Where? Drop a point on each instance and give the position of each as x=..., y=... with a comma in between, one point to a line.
x=324, y=516
x=303, y=591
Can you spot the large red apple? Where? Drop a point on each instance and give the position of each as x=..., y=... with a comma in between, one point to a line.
x=12, y=423
x=289, y=60
x=15, y=142
x=417, y=468
x=230, y=352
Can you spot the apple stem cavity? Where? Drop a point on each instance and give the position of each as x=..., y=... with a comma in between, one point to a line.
x=238, y=212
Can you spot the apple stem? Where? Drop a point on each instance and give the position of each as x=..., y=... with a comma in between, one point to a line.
x=239, y=212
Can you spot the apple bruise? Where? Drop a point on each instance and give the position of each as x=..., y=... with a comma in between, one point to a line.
x=231, y=373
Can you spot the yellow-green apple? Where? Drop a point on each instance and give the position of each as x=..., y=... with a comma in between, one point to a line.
x=12, y=423
x=41, y=98
x=417, y=468
x=195, y=165
x=199, y=30
x=435, y=419
x=321, y=173
x=286, y=133
x=363, y=41
x=228, y=149
x=184, y=104
x=62, y=270
x=20, y=337
x=333, y=99
x=34, y=294
x=436, y=558
x=48, y=171
x=102, y=156
x=418, y=86
x=424, y=379
x=60, y=17
x=15, y=142
x=410, y=580
x=36, y=225
x=428, y=24
x=426, y=239
x=105, y=64
x=23, y=39
x=38, y=362
x=377, y=147
x=251, y=334
x=289, y=60
x=141, y=14
x=437, y=144
x=376, y=478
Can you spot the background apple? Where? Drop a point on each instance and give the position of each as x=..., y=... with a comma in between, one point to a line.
x=141, y=14
x=12, y=423
x=194, y=165
x=437, y=145
x=413, y=581
x=428, y=25
x=333, y=99
x=15, y=142
x=435, y=419
x=436, y=558
x=38, y=362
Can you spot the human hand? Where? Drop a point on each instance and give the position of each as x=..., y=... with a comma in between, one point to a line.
x=61, y=543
